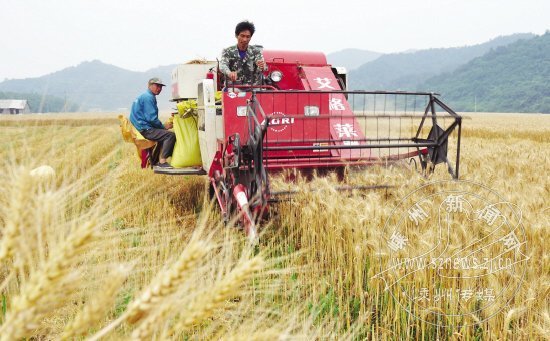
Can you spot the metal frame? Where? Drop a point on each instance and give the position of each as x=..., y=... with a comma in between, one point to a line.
x=436, y=143
x=253, y=146
x=250, y=157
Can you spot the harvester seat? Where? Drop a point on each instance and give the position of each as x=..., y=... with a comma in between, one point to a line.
x=146, y=149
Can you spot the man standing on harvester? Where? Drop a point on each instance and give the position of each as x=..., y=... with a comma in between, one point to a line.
x=145, y=118
x=243, y=63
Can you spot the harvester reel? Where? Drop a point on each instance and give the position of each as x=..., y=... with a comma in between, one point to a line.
x=438, y=154
x=435, y=154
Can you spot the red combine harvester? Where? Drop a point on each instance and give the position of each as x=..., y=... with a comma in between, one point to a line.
x=303, y=118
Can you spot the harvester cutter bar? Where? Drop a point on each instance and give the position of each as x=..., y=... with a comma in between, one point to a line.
x=357, y=146
x=275, y=196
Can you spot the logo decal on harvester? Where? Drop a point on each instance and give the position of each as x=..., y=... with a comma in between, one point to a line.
x=345, y=130
x=324, y=83
x=279, y=124
x=336, y=104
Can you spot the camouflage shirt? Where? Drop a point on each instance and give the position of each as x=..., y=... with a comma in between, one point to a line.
x=246, y=68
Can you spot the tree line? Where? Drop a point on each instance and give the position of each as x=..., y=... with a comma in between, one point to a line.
x=513, y=78
x=42, y=103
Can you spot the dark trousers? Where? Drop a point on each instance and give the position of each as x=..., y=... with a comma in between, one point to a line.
x=165, y=137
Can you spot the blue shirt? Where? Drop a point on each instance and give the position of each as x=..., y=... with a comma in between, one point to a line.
x=242, y=54
x=145, y=113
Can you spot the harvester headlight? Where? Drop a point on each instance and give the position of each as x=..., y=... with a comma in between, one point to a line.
x=241, y=110
x=276, y=76
x=311, y=110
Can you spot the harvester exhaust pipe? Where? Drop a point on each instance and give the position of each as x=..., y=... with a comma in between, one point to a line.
x=239, y=192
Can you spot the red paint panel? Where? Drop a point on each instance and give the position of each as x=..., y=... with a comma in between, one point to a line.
x=291, y=76
x=319, y=78
x=344, y=130
x=233, y=123
x=289, y=127
x=295, y=57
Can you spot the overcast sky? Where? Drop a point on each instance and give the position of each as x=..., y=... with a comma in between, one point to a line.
x=39, y=37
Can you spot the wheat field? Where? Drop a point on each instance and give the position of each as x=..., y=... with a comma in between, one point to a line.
x=105, y=250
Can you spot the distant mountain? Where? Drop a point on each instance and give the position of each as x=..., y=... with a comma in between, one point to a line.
x=94, y=85
x=352, y=58
x=512, y=78
x=406, y=71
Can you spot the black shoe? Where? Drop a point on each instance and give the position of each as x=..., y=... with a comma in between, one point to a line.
x=163, y=165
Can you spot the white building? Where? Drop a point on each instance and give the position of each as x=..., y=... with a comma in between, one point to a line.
x=14, y=106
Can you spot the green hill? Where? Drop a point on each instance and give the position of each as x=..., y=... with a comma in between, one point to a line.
x=406, y=71
x=513, y=78
x=93, y=85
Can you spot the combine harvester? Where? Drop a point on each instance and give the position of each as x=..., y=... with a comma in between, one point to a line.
x=303, y=118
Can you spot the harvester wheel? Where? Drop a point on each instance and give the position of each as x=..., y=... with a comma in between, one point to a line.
x=211, y=192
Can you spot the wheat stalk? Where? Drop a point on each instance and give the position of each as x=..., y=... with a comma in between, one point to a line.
x=98, y=306
x=511, y=314
x=323, y=226
x=148, y=326
x=261, y=335
x=167, y=282
x=161, y=288
x=47, y=288
x=15, y=213
x=211, y=300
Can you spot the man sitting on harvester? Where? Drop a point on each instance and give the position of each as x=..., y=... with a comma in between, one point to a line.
x=144, y=117
x=243, y=63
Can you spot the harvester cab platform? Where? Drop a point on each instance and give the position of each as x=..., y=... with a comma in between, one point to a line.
x=180, y=171
x=302, y=117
